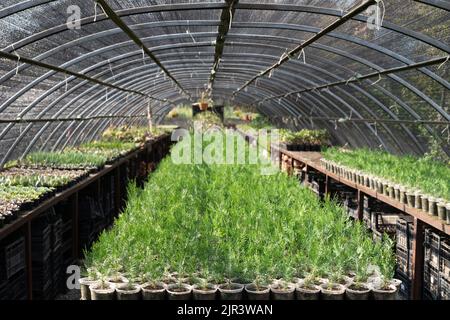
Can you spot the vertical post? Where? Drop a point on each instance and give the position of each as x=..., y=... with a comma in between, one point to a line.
x=417, y=259
x=360, y=205
x=75, y=225
x=117, y=191
x=29, y=262
x=327, y=184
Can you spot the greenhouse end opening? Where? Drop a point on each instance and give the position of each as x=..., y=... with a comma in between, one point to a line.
x=220, y=156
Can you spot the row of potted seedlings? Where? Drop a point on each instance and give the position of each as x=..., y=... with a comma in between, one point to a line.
x=174, y=287
x=25, y=183
x=268, y=236
x=412, y=197
x=14, y=199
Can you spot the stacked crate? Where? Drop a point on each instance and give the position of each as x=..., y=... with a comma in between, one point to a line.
x=47, y=259
x=404, y=250
x=13, y=280
x=380, y=217
x=436, y=280
x=41, y=253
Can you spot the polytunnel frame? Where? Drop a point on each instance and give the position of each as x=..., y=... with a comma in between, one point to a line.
x=272, y=7
x=108, y=61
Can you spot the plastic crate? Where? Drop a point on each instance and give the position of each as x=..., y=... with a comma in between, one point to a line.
x=404, y=262
x=17, y=287
x=14, y=254
x=405, y=287
x=431, y=282
x=445, y=260
x=405, y=233
x=433, y=244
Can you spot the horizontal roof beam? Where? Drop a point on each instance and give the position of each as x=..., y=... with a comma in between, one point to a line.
x=18, y=59
x=358, y=78
x=286, y=56
x=122, y=25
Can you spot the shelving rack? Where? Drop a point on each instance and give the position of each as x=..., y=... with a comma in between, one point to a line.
x=124, y=169
x=310, y=162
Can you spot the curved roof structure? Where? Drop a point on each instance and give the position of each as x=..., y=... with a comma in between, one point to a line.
x=374, y=73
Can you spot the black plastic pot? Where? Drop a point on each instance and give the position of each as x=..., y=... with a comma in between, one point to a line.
x=442, y=211
x=307, y=292
x=286, y=292
x=156, y=291
x=103, y=291
x=231, y=291
x=389, y=293
x=204, y=293
x=403, y=198
x=117, y=281
x=178, y=291
x=432, y=206
x=257, y=293
x=332, y=291
x=128, y=292
x=358, y=291
x=418, y=201
x=85, y=283
x=410, y=199
x=425, y=203
x=447, y=221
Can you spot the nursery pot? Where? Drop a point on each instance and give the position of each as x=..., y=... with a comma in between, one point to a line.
x=307, y=292
x=391, y=192
x=403, y=196
x=358, y=291
x=128, y=291
x=379, y=186
x=367, y=181
x=346, y=281
x=178, y=291
x=418, y=201
x=204, y=293
x=373, y=184
x=448, y=213
x=396, y=282
x=102, y=292
x=442, y=212
x=231, y=291
x=386, y=189
x=397, y=192
x=389, y=293
x=332, y=291
x=432, y=206
x=257, y=292
x=410, y=200
x=116, y=281
x=152, y=291
x=425, y=207
x=85, y=283
x=283, y=293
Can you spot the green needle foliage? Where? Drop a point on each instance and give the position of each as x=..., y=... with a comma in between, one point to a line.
x=226, y=222
x=65, y=159
x=431, y=177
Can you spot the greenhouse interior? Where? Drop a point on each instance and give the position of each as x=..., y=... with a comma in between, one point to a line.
x=224, y=150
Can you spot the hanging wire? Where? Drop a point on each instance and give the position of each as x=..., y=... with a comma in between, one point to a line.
x=110, y=69
x=379, y=21
x=442, y=64
x=379, y=79
x=65, y=79
x=18, y=60
x=302, y=54
x=231, y=17
x=95, y=11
